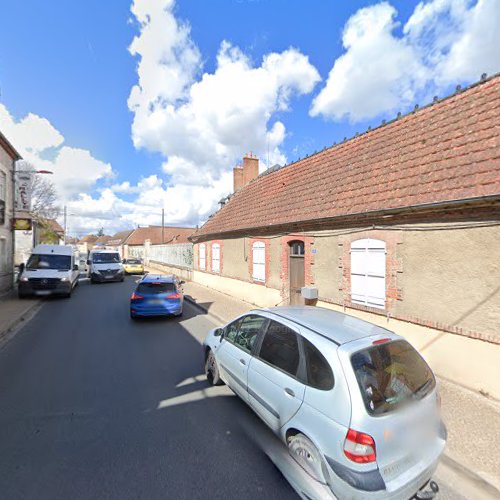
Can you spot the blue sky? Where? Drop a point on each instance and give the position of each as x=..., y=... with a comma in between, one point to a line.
x=68, y=65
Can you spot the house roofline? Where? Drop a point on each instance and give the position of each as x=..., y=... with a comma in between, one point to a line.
x=311, y=224
x=11, y=150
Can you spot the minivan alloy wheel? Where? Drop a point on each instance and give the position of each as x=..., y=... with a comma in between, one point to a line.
x=212, y=370
x=307, y=456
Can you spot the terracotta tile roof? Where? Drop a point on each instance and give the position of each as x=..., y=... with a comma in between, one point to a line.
x=154, y=233
x=119, y=238
x=102, y=240
x=446, y=151
x=89, y=238
x=52, y=225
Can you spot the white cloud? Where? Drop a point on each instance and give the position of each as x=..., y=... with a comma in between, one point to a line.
x=443, y=42
x=203, y=123
x=75, y=170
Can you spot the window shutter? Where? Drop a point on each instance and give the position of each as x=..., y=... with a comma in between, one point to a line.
x=259, y=261
x=216, y=258
x=368, y=272
x=203, y=257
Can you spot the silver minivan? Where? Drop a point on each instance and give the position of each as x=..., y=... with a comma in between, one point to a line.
x=355, y=403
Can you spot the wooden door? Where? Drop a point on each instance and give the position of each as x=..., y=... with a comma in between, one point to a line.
x=296, y=272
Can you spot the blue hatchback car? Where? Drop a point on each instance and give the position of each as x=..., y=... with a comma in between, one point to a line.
x=157, y=295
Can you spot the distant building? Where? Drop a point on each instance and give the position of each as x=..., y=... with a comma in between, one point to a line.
x=8, y=157
x=157, y=235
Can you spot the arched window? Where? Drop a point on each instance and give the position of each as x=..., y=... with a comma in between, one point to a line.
x=259, y=261
x=215, y=258
x=368, y=272
x=203, y=256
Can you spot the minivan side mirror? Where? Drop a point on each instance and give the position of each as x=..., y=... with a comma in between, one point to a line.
x=88, y=262
x=76, y=268
x=181, y=282
x=219, y=332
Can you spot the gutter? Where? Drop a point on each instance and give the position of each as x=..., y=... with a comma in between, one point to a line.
x=389, y=212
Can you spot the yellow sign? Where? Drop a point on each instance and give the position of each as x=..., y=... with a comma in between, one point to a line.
x=21, y=224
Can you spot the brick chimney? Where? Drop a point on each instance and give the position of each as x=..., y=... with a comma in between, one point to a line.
x=246, y=173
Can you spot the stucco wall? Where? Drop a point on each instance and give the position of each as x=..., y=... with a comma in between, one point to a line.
x=234, y=257
x=274, y=275
x=327, y=272
x=250, y=292
x=6, y=261
x=453, y=277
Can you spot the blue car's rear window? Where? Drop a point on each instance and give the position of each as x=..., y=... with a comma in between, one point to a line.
x=155, y=288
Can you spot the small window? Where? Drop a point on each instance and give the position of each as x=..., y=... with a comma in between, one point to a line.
x=231, y=330
x=216, y=258
x=297, y=248
x=248, y=331
x=319, y=371
x=259, y=261
x=280, y=348
x=203, y=256
x=368, y=272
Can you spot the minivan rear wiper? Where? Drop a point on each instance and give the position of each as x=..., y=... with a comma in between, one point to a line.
x=422, y=388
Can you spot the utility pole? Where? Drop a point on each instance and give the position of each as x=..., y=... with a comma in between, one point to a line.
x=162, y=225
x=65, y=224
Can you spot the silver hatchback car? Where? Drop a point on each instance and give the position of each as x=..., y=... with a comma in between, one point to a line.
x=355, y=403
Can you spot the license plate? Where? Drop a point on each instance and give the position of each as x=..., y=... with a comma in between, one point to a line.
x=156, y=301
x=109, y=277
x=42, y=292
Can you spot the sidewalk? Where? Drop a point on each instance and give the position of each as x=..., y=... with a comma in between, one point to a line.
x=13, y=311
x=473, y=420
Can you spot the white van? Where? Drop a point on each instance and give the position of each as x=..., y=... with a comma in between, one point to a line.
x=50, y=270
x=105, y=265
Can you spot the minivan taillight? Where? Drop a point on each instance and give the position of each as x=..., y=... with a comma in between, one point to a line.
x=359, y=447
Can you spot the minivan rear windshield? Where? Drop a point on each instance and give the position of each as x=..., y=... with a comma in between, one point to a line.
x=391, y=374
x=156, y=288
x=51, y=261
x=105, y=258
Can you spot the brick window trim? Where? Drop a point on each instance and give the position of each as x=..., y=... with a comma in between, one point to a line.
x=267, y=260
x=393, y=266
x=209, y=257
x=206, y=255
x=308, y=262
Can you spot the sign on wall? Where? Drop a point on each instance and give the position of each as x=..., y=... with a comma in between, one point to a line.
x=21, y=224
x=23, y=191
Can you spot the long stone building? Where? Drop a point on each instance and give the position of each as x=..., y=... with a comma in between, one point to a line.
x=400, y=223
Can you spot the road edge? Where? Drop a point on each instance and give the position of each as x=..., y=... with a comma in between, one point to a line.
x=11, y=329
x=204, y=309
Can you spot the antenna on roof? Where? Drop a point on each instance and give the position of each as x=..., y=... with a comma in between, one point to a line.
x=436, y=98
x=483, y=76
x=458, y=88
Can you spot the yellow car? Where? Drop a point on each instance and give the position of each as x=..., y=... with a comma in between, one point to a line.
x=133, y=266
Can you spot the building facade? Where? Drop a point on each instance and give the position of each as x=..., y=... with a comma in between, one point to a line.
x=8, y=157
x=401, y=222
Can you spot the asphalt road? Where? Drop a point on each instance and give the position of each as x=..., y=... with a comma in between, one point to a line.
x=94, y=405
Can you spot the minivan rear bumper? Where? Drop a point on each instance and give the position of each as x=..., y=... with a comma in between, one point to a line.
x=348, y=483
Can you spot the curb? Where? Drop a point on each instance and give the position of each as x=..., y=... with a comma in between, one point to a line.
x=19, y=319
x=478, y=480
x=203, y=309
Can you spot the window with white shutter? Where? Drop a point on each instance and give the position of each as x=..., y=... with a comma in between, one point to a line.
x=216, y=258
x=259, y=261
x=368, y=272
x=203, y=256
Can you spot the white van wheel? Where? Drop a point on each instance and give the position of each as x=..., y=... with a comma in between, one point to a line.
x=307, y=456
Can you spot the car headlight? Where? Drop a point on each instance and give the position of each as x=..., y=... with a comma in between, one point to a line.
x=65, y=279
x=23, y=278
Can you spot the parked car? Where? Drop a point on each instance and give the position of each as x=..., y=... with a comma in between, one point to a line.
x=105, y=265
x=133, y=266
x=50, y=270
x=355, y=403
x=157, y=295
